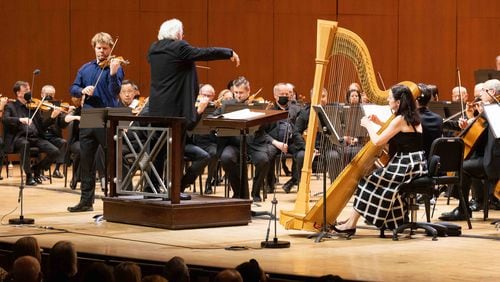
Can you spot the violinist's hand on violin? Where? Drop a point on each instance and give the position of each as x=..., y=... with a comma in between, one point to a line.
x=3, y=101
x=55, y=112
x=235, y=58
x=25, y=120
x=89, y=90
x=114, y=64
x=202, y=104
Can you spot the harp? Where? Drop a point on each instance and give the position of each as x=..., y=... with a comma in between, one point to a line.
x=340, y=46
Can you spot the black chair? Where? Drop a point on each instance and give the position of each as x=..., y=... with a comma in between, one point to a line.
x=445, y=168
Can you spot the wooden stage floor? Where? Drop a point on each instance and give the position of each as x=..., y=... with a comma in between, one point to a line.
x=471, y=257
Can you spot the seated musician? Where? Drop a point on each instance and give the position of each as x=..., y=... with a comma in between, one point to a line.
x=127, y=94
x=432, y=123
x=54, y=132
x=208, y=142
x=458, y=91
x=20, y=123
x=3, y=103
x=280, y=132
x=298, y=146
x=257, y=148
x=484, y=162
x=377, y=198
x=353, y=140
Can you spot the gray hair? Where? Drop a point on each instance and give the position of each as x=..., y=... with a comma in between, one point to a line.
x=171, y=29
x=493, y=84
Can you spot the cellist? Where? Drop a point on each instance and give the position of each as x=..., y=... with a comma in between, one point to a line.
x=484, y=160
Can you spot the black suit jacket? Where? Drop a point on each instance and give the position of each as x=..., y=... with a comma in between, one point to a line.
x=174, y=82
x=14, y=129
x=432, y=127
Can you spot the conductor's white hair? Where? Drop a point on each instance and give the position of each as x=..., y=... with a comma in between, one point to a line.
x=171, y=29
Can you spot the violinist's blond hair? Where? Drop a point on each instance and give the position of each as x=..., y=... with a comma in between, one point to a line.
x=102, y=38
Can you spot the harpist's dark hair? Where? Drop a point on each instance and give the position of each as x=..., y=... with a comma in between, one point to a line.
x=407, y=107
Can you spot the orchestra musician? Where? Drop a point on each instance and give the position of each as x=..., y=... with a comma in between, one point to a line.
x=208, y=142
x=54, y=132
x=280, y=132
x=432, y=123
x=95, y=93
x=23, y=130
x=127, y=94
x=257, y=148
x=3, y=103
x=298, y=146
x=174, y=82
x=381, y=204
x=484, y=162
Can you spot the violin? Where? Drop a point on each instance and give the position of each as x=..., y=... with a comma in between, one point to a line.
x=106, y=62
x=44, y=106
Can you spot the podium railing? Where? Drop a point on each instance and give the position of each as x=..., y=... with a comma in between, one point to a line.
x=169, y=132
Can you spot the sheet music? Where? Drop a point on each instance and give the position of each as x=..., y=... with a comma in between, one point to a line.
x=493, y=116
x=242, y=114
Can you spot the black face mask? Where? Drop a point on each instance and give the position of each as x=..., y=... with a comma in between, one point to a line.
x=283, y=100
x=48, y=98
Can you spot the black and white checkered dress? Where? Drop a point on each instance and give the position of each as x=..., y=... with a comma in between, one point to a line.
x=377, y=198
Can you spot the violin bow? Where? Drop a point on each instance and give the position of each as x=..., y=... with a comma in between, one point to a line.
x=460, y=93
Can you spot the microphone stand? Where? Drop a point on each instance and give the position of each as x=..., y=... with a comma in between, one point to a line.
x=22, y=219
x=275, y=243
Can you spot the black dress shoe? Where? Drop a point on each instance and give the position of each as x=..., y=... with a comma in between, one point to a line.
x=185, y=197
x=30, y=181
x=81, y=208
x=455, y=215
x=208, y=188
x=475, y=205
x=345, y=232
x=256, y=199
x=57, y=174
x=288, y=186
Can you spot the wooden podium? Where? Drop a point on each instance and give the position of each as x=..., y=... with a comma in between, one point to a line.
x=170, y=214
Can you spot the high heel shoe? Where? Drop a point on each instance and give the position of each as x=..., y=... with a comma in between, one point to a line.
x=348, y=233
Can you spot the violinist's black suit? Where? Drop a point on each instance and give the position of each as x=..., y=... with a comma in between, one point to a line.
x=16, y=141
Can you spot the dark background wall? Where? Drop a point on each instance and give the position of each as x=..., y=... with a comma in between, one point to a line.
x=417, y=40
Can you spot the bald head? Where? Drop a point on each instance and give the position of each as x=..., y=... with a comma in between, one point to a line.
x=208, y=91
x=455, y=94
x=26, y=269
x=498, y=62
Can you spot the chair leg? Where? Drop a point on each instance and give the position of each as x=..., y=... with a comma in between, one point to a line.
x=464, y=205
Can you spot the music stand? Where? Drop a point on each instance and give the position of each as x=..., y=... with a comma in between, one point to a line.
x=329, y=131
x=485, y=74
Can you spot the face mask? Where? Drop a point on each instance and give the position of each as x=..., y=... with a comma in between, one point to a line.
x=48, y=98
x=283, y=100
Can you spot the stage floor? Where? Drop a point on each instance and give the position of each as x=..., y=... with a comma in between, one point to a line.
x=470, y=257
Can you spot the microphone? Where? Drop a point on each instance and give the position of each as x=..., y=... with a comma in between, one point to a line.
x=35, y=73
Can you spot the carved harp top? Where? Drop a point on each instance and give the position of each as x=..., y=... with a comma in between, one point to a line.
x=333, y=41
